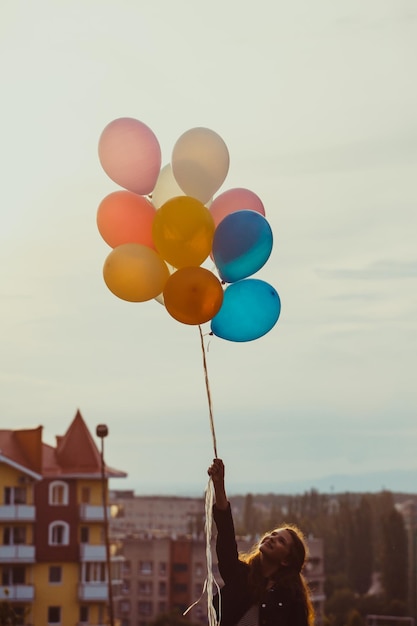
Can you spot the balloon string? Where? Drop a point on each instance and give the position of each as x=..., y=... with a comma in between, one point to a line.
x=213, y=433
x=210, y=584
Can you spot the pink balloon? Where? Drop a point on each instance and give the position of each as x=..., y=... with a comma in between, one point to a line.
x=125, y=217
x=130, y=154
x=238, y=199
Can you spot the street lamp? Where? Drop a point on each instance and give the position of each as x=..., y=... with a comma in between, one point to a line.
x=102, y=431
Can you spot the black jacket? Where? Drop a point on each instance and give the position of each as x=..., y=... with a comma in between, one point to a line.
x=277, y=608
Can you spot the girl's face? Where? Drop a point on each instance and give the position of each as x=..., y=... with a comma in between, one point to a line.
x=276, y=546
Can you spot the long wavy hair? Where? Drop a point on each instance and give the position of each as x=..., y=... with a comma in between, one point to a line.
x=289, y=576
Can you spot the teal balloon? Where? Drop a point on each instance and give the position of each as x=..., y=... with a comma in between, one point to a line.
x=242, y=244
x=250, y=308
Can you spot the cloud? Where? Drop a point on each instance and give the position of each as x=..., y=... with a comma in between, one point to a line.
x=378, y=270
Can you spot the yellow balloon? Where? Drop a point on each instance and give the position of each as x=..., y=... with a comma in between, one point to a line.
x=183, y=231
x=135, y=273
x=193, y=295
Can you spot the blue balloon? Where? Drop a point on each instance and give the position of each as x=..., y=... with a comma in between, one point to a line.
x=242, y=244
x=250, y=309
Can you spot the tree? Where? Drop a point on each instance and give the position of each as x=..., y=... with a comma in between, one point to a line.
x=355, y=619
x=8, y=616
x=250, y=517
x=174, y=618
x=361, y=549
x=394, y=557
x=339, y=605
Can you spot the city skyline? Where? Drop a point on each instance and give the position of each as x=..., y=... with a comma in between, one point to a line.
x=316, y=104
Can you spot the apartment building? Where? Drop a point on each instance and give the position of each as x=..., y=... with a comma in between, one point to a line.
x=155, y=515
x=161, y=575
x=52, y=533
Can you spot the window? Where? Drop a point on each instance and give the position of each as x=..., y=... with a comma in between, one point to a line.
x=126, y=568
x=58, y=534
x=14, y=535
x=85, y=495
x=94, y=573
x=162, y=588
x=199, y=569
x=145, y=608
x=54, y=614
x=180, y=567
x=145, y=588
x=55, y=574
x=126, y=586
x=84, y=617
x=84, y=534
x=145, y=567
x=124, y=606
x=162, y=568
x=13, y=575
x=162, y=607
x=58, y=493
x=15, y=495
x=180, y=587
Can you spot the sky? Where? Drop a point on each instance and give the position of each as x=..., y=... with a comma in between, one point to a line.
x=316, y=102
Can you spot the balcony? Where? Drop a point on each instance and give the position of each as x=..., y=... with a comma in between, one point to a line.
x=17, y=512
x=89, y=552
x=91, y=513
x=17, y=593
x=95, y=592
x=20, y=553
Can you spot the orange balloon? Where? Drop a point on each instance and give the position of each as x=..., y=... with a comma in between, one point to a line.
x=183, y=231
x=193, y=295
x=135, y=273
x=126, y=217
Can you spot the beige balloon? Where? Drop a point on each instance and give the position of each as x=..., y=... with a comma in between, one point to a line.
x=200, y=163
x=166, y=187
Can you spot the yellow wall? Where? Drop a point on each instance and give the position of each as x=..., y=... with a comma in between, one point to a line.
x=63, y=594
x=96, y=535
x=95, y=491
x=9, y=477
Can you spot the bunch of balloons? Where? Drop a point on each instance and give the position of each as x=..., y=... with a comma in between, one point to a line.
x=165, y=223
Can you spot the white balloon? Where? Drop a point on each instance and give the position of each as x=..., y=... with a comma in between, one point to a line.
x=166, y=187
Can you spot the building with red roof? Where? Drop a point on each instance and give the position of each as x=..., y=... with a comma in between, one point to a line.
x=54, y=554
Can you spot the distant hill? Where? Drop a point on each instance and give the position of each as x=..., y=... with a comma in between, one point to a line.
x=403, y=481
x=398, y=481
